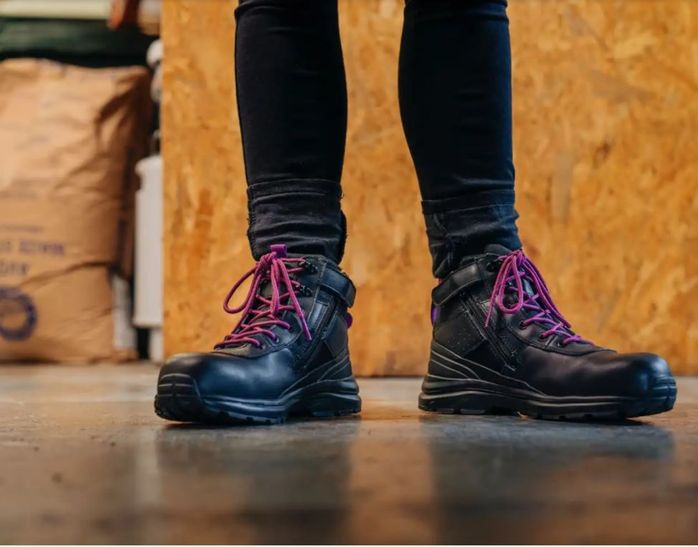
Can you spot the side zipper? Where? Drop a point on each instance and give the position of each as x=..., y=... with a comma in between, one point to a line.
x=478, y=321
x=320, y=330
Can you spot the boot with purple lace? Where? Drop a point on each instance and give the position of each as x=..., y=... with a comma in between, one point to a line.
x=287, y=356
x=500, y=345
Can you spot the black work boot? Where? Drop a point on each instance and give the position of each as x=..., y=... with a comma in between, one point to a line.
x=288, y=355
x=500, y=344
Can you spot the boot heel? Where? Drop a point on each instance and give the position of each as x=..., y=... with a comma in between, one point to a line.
x=470, y=403
x=326, y=405
x=335, y=398
x=454, y=404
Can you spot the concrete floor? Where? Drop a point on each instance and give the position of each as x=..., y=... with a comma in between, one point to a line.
x=84, y=459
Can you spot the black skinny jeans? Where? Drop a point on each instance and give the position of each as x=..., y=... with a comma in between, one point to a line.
x=455, y=100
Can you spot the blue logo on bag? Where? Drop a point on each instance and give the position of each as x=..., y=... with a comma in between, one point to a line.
x=17, y=314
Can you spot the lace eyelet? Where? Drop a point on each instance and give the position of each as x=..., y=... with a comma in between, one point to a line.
x=541, y=337
x=305, y=291
x=309, y=266
x=491, y=266
x=522, y=326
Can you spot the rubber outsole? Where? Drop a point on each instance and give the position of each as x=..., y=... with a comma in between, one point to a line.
x=179, y=399
x=455, y=400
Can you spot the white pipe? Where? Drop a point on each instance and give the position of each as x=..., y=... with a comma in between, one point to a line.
x=148, y=307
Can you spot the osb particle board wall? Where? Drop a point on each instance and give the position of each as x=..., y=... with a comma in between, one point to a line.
x=606, y=113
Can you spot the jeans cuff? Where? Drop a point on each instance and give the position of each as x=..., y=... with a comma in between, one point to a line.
x=459, y=234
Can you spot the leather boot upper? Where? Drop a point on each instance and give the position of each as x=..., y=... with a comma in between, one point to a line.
x=293, y=332
x=494, y=320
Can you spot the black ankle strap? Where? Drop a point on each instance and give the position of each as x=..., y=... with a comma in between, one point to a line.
x=339, y=285
x=455, y=283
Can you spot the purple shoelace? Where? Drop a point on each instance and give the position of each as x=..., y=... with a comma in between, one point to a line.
x=260, y=313
x=514, y=270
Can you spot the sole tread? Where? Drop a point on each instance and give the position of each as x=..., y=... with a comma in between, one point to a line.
x=178, y=399
x=661, y=399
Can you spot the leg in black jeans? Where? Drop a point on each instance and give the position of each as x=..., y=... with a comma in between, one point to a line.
x=292, y=102
x=455, y=99
x=455, y=96
x=288, y=354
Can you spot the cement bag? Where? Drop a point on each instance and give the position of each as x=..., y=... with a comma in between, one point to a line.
x=69, y=139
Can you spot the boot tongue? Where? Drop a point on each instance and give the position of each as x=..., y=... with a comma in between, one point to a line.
x=265, y=288
x=501, y=250
x=280, y=250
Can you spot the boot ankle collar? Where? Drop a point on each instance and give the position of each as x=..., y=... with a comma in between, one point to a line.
x=338, y=284
x=458, y=281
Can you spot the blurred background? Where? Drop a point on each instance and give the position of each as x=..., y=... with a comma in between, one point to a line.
x=122, y=226
x=112, y=252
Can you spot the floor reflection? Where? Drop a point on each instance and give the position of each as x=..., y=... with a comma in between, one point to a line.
x=508, y=479
x=99, y=467
x=258, y=485
x=400, y=476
